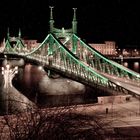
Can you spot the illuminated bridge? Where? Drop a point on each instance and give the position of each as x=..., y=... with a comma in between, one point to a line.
x=64, y=52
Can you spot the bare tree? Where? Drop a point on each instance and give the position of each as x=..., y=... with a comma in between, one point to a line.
x=52, y=124
x=58, y=123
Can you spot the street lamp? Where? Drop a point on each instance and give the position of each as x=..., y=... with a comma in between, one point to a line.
x=8, y=74
x=121, y=57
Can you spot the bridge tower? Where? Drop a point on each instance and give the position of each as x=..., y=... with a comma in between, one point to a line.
x=19, y=33
x=51, y=21
x=8, y=33
x=74, y=22
x=62, y=33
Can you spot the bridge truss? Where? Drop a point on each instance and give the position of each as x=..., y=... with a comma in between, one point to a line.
x=74, y=59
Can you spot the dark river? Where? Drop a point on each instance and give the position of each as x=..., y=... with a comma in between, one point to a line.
x=34, y=83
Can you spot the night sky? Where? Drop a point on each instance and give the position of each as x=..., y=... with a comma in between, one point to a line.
x=98, y=20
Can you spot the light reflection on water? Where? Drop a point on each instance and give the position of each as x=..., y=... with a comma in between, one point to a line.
x=133, y=65
x=36, y=85
x=28, y=80
x=136, y=66
x=33, y=79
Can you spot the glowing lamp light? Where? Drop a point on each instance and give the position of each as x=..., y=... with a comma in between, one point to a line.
x=8, y=74
x=40, y=68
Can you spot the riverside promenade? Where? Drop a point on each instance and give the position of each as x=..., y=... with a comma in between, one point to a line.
x=127, y=111
x=121, y=118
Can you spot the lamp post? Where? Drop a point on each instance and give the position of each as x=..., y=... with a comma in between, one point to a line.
x=8, y=74
x=121, y=57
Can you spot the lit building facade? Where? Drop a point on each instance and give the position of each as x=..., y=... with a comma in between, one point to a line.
x=30, y=43
x=107, y=48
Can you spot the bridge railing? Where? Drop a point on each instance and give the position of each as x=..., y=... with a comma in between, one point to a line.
x=16, y=47
x=96, y=60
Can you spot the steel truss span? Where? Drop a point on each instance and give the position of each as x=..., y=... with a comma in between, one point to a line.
x=77, y=60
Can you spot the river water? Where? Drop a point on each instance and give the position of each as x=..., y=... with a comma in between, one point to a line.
x=35, y=84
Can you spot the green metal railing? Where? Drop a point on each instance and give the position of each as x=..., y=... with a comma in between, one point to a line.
x=98, y=61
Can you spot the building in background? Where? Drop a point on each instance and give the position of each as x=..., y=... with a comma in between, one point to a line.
x=30, y=43
x=108, y=48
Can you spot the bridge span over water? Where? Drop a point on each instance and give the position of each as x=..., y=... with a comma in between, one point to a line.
x=64, y=52
x=80, y=62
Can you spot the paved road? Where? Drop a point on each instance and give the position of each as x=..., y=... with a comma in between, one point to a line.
x=130, y=85
x=127, y=84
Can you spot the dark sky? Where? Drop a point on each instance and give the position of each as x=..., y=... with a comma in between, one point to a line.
x=98, y=20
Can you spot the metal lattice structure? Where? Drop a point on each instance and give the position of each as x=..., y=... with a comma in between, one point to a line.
x=98, y=61
x=64, y=52
x=51, y=53
x=88, y=54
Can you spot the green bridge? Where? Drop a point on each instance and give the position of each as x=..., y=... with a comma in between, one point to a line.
x=64, y=52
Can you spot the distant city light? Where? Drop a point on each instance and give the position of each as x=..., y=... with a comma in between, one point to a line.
x=126, y=64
